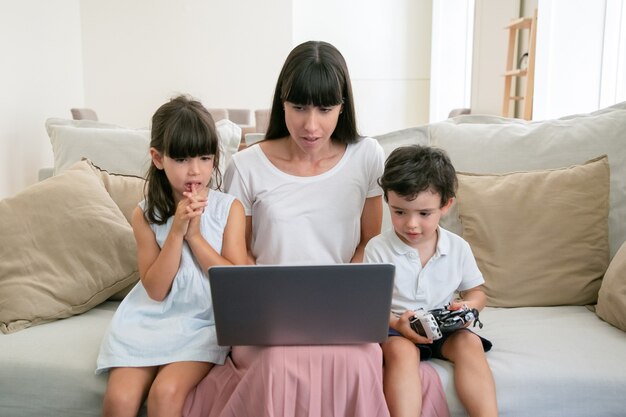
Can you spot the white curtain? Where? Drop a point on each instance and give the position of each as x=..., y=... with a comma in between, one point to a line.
x=581, y=56
x=613, y=87
x=451, y=57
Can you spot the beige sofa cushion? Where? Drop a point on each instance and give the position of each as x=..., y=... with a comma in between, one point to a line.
x=65, y=248
x=539, y=237
x=612, y=296
x=126, y=191
x=491, y=144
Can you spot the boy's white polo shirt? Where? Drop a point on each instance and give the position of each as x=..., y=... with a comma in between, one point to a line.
x=452, y=268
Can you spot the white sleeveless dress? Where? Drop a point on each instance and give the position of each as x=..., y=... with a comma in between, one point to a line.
x=145, y=332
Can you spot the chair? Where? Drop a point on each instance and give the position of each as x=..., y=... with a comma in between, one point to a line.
x=262, y=119
x=84, y=114
x=242, y=117
x=218, y=114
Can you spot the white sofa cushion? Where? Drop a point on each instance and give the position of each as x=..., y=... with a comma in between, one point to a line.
x=113, y=148
x=117, y=149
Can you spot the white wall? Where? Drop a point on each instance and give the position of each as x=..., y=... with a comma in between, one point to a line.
x=139, y=53
x=387, y=49
x=40, y=77
x=125, y=58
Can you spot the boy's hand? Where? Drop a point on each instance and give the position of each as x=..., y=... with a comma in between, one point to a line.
x=403, y=327
x=458, y=304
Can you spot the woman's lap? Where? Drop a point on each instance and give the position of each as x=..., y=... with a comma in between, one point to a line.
x=300, y=381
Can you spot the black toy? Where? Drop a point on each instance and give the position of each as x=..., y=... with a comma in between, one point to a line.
x=434, y=323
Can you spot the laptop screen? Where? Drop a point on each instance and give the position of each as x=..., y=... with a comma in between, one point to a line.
x=301, y=304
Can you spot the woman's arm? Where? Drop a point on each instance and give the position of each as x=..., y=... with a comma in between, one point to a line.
x=251, y=260
x=371, y=222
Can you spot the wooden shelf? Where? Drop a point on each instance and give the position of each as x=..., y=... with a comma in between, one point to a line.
x=521, y=23
x=516, y=73
x=512, y=74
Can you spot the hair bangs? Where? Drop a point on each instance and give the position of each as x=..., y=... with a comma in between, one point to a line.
x=317, y=85
x=188, y=138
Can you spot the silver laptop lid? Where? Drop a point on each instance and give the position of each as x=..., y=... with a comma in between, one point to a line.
x=301, y=304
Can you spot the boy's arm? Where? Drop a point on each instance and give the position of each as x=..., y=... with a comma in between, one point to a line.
x=474, y=298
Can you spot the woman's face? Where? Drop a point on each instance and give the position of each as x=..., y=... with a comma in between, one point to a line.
x=311, y=126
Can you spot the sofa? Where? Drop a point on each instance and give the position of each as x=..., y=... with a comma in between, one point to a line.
x=542, y=204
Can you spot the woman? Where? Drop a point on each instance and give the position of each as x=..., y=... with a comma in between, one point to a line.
x=310, y=195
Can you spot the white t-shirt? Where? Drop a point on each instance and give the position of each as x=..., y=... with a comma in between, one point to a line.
x=452, y=268
x=306, y=220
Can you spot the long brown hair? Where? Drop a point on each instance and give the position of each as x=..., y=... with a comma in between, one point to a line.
x=314, y=73
x=181, y=128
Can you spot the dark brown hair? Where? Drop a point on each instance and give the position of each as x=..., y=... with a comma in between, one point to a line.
x=181, y=128
x=315, y=73
x=409, y=170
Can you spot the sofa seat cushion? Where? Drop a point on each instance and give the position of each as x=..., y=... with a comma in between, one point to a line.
x=550, y=362
x=51, y=367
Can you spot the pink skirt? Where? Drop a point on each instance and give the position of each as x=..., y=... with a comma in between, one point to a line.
x=304, y=381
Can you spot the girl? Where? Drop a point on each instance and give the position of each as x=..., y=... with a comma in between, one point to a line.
x=162, y=339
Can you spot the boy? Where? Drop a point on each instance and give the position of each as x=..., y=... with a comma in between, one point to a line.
x=432, y=264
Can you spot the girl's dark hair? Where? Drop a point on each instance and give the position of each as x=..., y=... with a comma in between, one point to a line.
x=315, y=73
x=181, y=128
x=409, y=170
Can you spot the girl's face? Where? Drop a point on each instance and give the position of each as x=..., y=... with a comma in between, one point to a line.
x=415, y=221
x=185, y=174
x=311, y=126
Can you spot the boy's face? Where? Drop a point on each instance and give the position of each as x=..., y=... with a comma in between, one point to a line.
x=415, y=221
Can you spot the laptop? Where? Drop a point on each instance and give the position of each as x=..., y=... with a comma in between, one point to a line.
x=301, y=304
